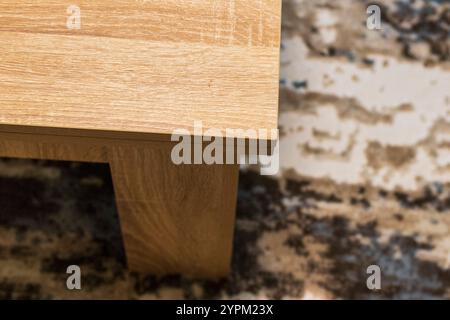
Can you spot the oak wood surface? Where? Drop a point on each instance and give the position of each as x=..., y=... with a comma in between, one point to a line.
x=140, y=66
x=216, y=22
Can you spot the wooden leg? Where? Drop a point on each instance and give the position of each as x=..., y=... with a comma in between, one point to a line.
x=174, y=219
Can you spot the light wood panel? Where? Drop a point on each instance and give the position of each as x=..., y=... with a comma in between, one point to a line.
x=217, y=22
x=138, y=66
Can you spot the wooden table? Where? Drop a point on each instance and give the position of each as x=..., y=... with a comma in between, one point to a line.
x=113, y=91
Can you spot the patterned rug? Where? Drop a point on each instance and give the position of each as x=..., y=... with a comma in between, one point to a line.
x=294, y=239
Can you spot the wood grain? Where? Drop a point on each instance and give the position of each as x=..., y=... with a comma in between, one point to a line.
x=216, y=22
x=174, y=219
x=51, y=147
x=140, y=66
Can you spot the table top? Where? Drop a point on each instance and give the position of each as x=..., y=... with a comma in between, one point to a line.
x=139, y=66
